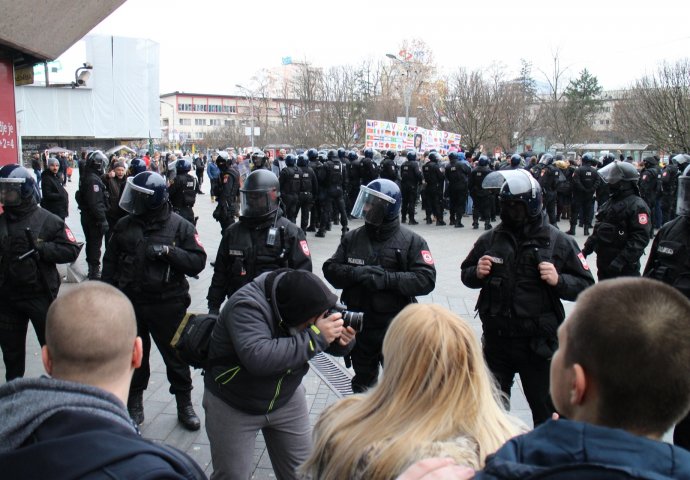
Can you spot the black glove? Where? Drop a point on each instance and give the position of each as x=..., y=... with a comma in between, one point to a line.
x=155, y=252
x=376, y=280
x=213, y=311
x=362, y=273
x=104, y=227
x=616, y=266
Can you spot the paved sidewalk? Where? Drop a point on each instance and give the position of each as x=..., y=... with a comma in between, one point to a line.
x=448, y=245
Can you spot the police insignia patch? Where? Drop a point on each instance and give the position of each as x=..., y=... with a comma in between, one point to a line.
x=305, y=247
x=426, y=256
x=96, y=189
x=583, y=261
x=198, y=241
x=642, y=218
x=70, y=235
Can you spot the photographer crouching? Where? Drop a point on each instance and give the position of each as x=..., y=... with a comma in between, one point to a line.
x=260, y=347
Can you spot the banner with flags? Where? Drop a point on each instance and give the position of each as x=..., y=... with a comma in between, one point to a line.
x=398, y=136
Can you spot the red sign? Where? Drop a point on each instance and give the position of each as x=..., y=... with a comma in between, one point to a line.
x=8, y=115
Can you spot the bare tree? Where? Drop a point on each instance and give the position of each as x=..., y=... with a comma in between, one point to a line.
x=656, y=109
x=343, y=105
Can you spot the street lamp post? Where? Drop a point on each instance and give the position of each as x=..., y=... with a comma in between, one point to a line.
x=251, y=106
x=171, y=136
x=409, y=86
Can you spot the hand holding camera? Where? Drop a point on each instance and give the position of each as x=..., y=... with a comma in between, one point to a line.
x=330, y=325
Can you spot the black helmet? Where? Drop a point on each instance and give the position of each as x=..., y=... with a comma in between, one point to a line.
x=483, y=161
x=589, y=158
x=95, y=161
x=683, y=194
x=183, y=166
x=411, y=155
x=143, y=193
x=651, y=162
x=607, y=158
x=681, y=160
x=137, y=165
x=516, y=185
x=16, y=184
x=546, y=159
x=368, y=153
x=222, y=161
x=352, y=155
x=341, y=153
x=391, y=154
x=290, y=160
x=312, y=154
x=434, y=157
x=302, y=160
x=378, y=202
x=258, y=157
x=323, y=155
x=618, y=171
x=515, y=160
x=452, y=156
x=331, y=154
x=259, y=194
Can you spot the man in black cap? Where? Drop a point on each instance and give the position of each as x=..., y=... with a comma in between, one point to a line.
x=264, y=338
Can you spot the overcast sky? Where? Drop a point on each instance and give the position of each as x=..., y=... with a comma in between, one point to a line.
x=208, y=46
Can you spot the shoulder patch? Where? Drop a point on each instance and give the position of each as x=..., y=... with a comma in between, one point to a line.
x=583, y=261
x=95, y=188
x=426, y=256
x=305, y=247
x=70, y=235
x=198, y=240
x=642, y=218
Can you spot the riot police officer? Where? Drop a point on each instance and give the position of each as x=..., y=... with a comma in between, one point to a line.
x=381, y=267
x=389, y=170
x=290, y=181
x=585, y=182
x=136, y=166
x=183, y=190
x=603, y=193
x=549, y=176
x=353, y=174
x=481, y=198
x=621, y=231
x=411, y=178
x=258, y=161
x=92, y=199
x=458, y=176
x=225, y=190
x=669, y=185
x=669, y=262
x=649, y=186
x=333, y=190
x=524, y=267
x=434, y=179
x=368, y=170
x=148, y=256
x=262, y=241
x=32, y=241
x=308, y=191
x=315, y=164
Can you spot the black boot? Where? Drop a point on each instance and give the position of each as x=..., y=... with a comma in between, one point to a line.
x=429, y=221
x=413, y=221
x=135, y=406
x=320, y=234
x=94, y=271
x=403, y=220
x=344, y=231
x=586, y=231
x=487, y=226
x=440, y=223
x=459, y=225
x=185, y=412
x=572, y=230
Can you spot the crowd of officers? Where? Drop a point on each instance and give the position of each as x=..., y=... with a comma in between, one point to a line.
x=143, y=211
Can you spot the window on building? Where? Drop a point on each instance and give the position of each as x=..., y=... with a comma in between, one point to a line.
x=229, y=123
x=184, y=107
x=200, y=122
x=186, y=121
x=215, y=122
x=229, y=109
x=198, y=135
x=200, y=107
x=165, y=122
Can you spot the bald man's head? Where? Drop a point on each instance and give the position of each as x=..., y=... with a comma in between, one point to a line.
x=90, y=334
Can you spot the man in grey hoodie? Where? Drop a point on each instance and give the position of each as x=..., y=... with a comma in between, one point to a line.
x=74, y=423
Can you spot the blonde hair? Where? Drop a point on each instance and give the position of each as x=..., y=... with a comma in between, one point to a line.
x=435, y=387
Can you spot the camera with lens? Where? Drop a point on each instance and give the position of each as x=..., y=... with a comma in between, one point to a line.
x=350, y=319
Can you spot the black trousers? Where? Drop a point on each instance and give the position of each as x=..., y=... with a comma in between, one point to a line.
x=160, y=321
x=305, y=203
x=409, y=200
x=481, y=208
x=366, y=358
x=582, y=208
x=199, y=177
x=329, y=206
x=14, y=322
x=433, y=202
x=94, y=240
x=550, y=206
x=290, y=202
x=507, y=356
x=458, y=202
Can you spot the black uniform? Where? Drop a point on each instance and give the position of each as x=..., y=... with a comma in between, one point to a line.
x=549, y=177
x=458, y=176
x=54, y=197
x=93, y=202
x=481, y=198
x=669, y=262
x=182, y=191
x=354, y=176
x=520, y=313
x=650, y=187
x=315, y=216
x=389, y=170
x=290, y=182
x=411, y=178
x=199, y=166
x=669, y=186
x=410, y=271
x=585, y=182
x=434, y=178
x=620, y=234
x=22, y=293
x=244, y=254
x=226, y=190
x=308, y=190
x=156, y=285
x=368, y=171
x=565, y=192
x=333, y=197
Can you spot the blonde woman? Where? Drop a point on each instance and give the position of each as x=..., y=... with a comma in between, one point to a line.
x=435, y=399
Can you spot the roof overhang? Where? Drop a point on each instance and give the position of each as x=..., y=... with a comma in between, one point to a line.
x=39, y=30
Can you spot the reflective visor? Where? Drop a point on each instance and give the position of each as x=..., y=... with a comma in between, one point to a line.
x=135, y=199
x=11, y=191
x=371, y=205
x=683, y=202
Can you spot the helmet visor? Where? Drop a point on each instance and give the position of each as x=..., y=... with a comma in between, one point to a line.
x=372, y=205
x=519, y=181
x=135, y=199
x=257, y=203
x=11, y=191
x=616, y=171
x=683, y=203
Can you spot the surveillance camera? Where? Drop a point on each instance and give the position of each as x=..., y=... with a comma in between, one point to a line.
x=88, y=65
